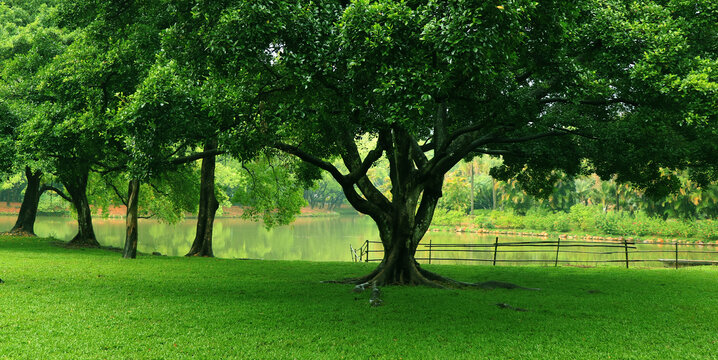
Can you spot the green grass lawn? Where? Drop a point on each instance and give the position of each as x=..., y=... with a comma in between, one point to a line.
x=59, y=303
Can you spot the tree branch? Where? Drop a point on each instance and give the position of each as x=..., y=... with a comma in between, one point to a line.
x=527, y=138
x=590, y=102
x=359, y=203
x=353, y=162
x=55, y=190
x=117, y=192
x=574, y=132
x=153, y=186
x=309, y=158
x=196, y=156
x=370, y=158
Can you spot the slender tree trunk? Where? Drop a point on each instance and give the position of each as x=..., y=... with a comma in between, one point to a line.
x=133, y=194
x=208, y=205
x=471, y=209
x=77, y=189
x=493, y=194
x=25, y=224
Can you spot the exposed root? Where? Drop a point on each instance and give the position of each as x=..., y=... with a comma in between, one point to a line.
x=357, y=280
x=487, y=285
x=80, y=242
x=414, y=275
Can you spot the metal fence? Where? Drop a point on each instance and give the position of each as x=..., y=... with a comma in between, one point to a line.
x=626, y=251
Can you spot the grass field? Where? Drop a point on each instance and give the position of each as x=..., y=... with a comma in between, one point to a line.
x=59, y=303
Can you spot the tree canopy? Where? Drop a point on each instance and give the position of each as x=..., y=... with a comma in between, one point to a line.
x=613, y=87
x=623, y=89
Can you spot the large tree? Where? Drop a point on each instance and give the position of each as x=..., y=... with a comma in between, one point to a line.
x=175, y=110
x=616, y=87
x=81, y=128
x=29, y=39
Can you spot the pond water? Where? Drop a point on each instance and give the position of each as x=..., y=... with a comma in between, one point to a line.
x=329, y=238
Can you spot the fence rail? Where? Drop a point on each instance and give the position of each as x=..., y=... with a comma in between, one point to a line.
x=632, y=254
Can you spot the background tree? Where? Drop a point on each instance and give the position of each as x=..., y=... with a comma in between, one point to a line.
x=30, y=40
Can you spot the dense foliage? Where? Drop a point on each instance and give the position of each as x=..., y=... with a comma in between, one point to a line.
x=625, y=90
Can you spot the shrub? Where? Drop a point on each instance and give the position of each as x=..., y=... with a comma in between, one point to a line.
x=613, y=223
x=583, y=217
x=707, y=229
x=506, y=219
x=448, y=217
x=560, y=222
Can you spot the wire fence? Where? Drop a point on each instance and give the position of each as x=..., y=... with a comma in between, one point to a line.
x=552, y=252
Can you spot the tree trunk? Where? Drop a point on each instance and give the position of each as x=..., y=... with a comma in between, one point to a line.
x=77, y=188
x=398, y=265
x=471, y=194
x=133, y=194
x=25, y=224
x=208, y=205
x=493, y=194
x=416, y=187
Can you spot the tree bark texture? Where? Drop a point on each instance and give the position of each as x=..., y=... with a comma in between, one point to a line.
x=208, y=205
x=133, y=194
x=25, y=224
x=77, y=189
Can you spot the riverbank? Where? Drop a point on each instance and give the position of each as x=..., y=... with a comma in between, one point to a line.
x=469, y=228
x=230, y=212
x=63, y=303
x=585, y=223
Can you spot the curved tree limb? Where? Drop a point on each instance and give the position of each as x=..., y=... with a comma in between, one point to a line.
x=55, y=190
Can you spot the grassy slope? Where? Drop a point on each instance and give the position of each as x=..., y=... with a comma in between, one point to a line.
x=68, y=303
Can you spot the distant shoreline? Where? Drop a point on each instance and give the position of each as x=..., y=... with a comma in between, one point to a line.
x=13, y=208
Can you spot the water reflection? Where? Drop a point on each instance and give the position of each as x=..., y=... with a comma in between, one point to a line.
x=328, y=239
x=316, y=239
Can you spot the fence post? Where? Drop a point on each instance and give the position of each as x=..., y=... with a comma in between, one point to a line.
x=625, y=245
x=496, y=247
x=558, y=246
x=676, y=254
x=429, y=251
x=367, y=250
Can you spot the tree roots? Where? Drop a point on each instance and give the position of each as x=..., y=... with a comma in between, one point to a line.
x=79, y=241
x=422, y=277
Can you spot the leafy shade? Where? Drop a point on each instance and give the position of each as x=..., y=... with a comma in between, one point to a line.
x=269, y=192
x=554, y=87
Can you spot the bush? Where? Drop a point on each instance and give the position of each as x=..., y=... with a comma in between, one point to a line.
x=707, y=229
x=448, y=217
x=561, y=222
x=537, y=219
x=482, y=218
x=611, y=223
x=506, y=220
x=583, y=217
